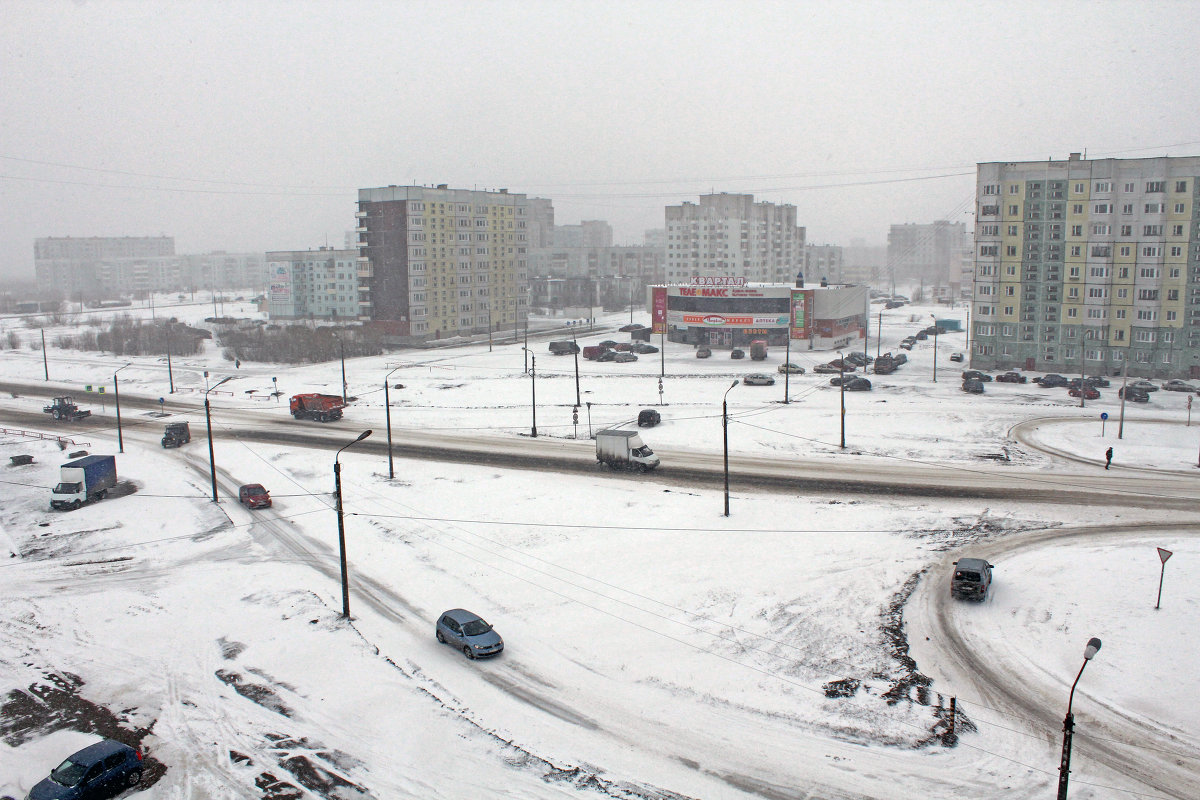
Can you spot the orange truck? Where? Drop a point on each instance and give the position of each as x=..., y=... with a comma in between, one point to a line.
x=321, y=407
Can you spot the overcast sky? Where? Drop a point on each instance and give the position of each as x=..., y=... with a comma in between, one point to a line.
x=249, y=126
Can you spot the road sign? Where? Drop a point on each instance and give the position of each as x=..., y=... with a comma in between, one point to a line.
x=87, y=388
x=1163, y=555
x=1104, y=414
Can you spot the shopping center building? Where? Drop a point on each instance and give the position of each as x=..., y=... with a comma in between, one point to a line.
x=729, y=312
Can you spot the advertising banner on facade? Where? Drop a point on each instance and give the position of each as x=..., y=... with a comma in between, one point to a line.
x=728, y=320
x=281, y=282
x=801, y=314
x=658, y=314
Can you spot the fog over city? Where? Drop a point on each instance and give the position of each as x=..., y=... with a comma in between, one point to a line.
x=250, y=126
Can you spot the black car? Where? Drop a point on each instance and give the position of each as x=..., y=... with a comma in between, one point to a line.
x=642, y=347
x=737, y=353
x=972, y=386
x=1011, y=377
x=857, y=385
x=1178, y=386
x=607, y=355
x=608, y=343
x=703, y=352
x=907, y=344
x=975, y=375
x=1099, y=381
x=648, y=418
x=858, y=359
x=1133, y=395
x=1051, y=381
x=921, y=335
x=103, y=769
x=901, y=359
x=971, y=580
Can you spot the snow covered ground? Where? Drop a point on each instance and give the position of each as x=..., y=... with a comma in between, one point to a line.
x=654, y=647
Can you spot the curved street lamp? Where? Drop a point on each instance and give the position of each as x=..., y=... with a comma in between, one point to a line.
x=1064, y=768
x=212, y=463
x=387, y=407
x=725, y=437
x=337, y=489
x=935, y=333
x=117, y=394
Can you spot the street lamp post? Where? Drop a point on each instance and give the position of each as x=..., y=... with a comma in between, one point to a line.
x=387, y=410
x=117, y=394
x=170, y=373
x=576, y=354
x=337, y=488
x=935, y=333
x=1064, y=768
x=589, y=408
x=787, y=362
x=45, y=363
x=533, y=389
x=212, y=462
x=342, y=348
x=725, y=440
x=842, y=386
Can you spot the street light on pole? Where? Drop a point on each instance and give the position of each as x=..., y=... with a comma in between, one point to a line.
x=342, y=348
x=935, y=333
x=725, y=438
x=533, y=388
x=387, y=410
x=337, y=488
x=117, y=394
x=842, y=386
x=212, y=461
x=1064, y=768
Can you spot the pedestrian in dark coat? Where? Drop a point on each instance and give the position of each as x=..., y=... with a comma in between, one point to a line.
x=1107, y=458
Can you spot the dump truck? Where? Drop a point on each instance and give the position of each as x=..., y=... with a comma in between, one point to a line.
x=564, y=348
x=84, y=479
x=624, y=450
x=321, y=407
x=65, y=408
x=176, y=434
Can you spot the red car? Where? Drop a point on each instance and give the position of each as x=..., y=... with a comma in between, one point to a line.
x=1088, y=393
x=253, y=495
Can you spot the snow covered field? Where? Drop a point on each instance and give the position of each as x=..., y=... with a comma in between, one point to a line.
x=654, y=647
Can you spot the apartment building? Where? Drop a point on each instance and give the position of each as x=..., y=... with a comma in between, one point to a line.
x=1088, y=265
x=436, y=262
x=929, y=255
x=310, y=284
x=96, y=267
x=824, y=262
x=730, y=235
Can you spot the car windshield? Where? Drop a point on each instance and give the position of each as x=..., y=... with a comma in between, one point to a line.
x=967, y=576
x=67, y=488
x=68, y=773
x=642, y=452
x=475, y=627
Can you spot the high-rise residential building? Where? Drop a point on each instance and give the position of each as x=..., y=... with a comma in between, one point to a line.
x=223, y=272
x=1088, y=265
x=541, y=222
x=72, y=265
x=929, y=255
x=730, y=235
x=307, y=284
x=589, y=233
x=437, y=262
x=823, y=262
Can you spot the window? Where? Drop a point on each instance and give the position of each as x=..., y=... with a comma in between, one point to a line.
x=1173, y=273
x=1008, y=310
x=1102, y=186
x=1101, y=251
x=1102, y=208
x=1181, y=186
x=1077, y=208
x=1072, y=292
x=1096, y=313
x=1130, y=187
x=1014, y=211
x=1170, y=318
x=986, y=329
x=1101, y=230
x=1098, y=292
x=1077, y=230
x=1148, y=272
x=1073, y=272
x=1010, y=250
x=1179, y=207
x=1177, y=251
x=1152, y=230
x=1151, y=252
x=1177, y=230
x=1147, y=316
x=1122, y=294
x=1098, y=272
x=1079, y=188
x=989, y=210
x=1143, y=336
x=1127, y=230
x=1153, y=208
x=1010, y=290
x=1127, y=208
x=988, y=250
x=989, y=230
x=1075, y=250
x=1072, y=312
x=1156, y=186
x=1012, y=230
x=992, y=188
x=1014, y=189
x=986, y=311
x=1147, y=294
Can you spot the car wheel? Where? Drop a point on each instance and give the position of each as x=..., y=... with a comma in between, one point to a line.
x=441, y=638
x=134, y=778
x=102, y=494
x=468, y=652
x=75, y=505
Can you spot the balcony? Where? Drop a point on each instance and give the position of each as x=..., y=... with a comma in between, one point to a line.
x=361, y=229
x=360, y=214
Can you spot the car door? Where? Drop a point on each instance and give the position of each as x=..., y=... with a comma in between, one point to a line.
x=456, y=634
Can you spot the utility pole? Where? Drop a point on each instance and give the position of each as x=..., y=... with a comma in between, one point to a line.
x=45, y=363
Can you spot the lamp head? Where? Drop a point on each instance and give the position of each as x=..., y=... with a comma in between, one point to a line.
x=363, y=435
x=1093, y=647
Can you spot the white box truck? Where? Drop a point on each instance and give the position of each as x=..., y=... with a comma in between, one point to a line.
x=84, y=479
x=624, y=450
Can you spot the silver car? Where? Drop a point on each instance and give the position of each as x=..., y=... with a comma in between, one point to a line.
x=465, y=631
x=758, y=379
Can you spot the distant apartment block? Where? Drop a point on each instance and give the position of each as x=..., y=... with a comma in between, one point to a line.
x=437, y=262
x=1088, y=265
x=929, y=255
x=731, y=235
x=225, y=272
x=824, y=262
x=71, y=266
x=589, y=233
x=313, y=284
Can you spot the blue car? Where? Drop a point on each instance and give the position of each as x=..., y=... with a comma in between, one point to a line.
x=461, y=629
x=103, y=769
